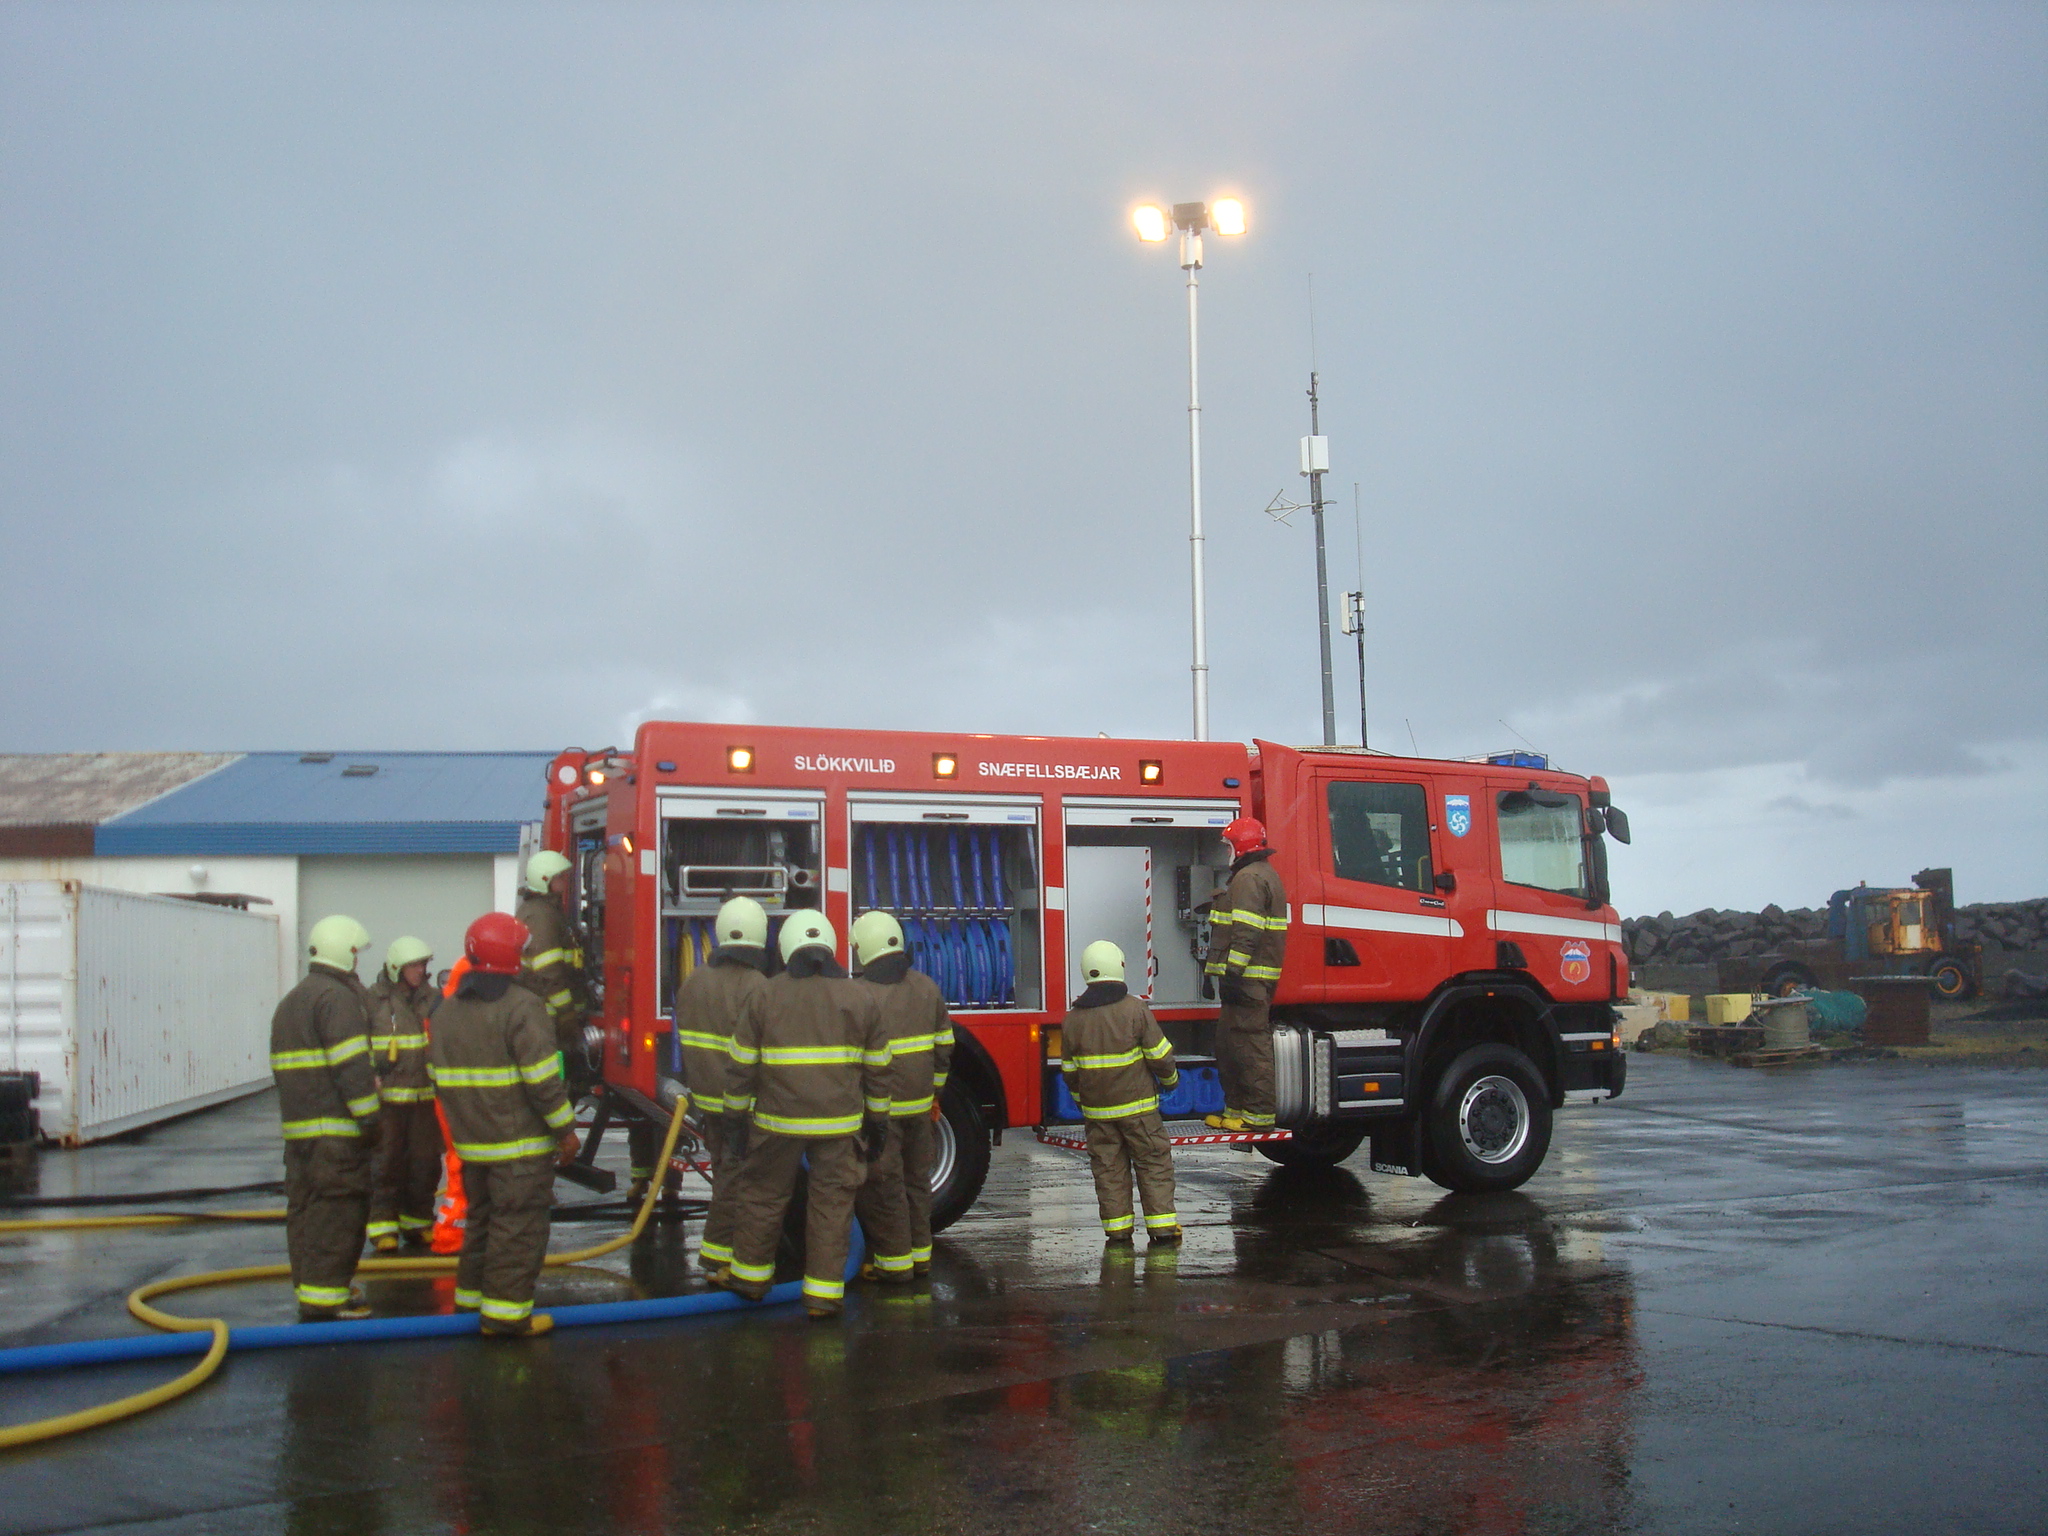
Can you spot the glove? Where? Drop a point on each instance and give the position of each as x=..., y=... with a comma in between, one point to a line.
x=1208, y=988
x=736, y=1127
x=874, y=1137
x=1233, y=993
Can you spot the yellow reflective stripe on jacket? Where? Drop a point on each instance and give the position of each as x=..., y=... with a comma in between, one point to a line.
x=1238, y=957
x=1128, y=1058
x=745, y=1055
x=736, y=1104
x=332, y=1056
x=503, y=1151
x=899, y=1108
x=407, y=1095
x=1254, y=920
x=546, y=958
x=363, y=1107
x=1160, y=1051
x=1121, y=1111
x=302, y=1130
x=1262, y=973
x=557, y=1001
x=910, y=1045
x=827, y=1125
x=560, y=1118
x=815, y=1056
x=541, y=1071
x=876, y=1106
x=710, y=1104
x=703, y=1040
x=939, y=1079
x=401, y=1042
x=474, y=1077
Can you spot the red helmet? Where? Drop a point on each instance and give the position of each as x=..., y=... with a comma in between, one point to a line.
x=1245, y=834
x=494, y=944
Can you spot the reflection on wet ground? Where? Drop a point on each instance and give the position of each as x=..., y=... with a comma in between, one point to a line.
x=1731, y=1301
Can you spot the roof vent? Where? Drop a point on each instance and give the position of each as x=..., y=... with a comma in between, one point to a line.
x=316, y=757
x=358, y=770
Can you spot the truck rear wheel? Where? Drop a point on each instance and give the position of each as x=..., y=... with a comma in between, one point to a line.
x=1488, y=1127
x=1781, y=980
x=1320, y=1146
x=960, y=1151
x=1952, y=979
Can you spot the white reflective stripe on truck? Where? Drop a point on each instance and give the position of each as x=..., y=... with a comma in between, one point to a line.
x=1552, y=927
x=1374, y=921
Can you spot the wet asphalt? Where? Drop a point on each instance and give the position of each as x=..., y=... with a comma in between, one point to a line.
x=1807, y=1300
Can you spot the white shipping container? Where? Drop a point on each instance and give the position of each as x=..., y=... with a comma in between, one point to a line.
x=132, y=1008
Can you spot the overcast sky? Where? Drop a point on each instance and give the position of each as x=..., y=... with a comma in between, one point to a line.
x=503, y=375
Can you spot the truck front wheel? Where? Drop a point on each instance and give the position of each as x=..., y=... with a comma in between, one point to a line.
x=1489, y=1121
x=960, y=1150
x=1952, y=979
x=1321, y=1146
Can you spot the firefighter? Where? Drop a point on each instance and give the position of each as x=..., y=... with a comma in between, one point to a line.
x=499, y=1078
x=895, y=1204
x=1116, y=1064
x=552, y=968
x=407, y=1165
x=707, y=1007
x=327, y=1100
x=1247, y=940
x=808, y=1083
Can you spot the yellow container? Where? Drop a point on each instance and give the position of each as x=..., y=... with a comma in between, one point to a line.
x=1727, y=1007
x=1675, y=1006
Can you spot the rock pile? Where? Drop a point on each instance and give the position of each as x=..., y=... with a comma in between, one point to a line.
x=1702, y=937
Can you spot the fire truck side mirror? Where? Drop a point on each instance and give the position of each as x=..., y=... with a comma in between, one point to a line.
x=1617, y=823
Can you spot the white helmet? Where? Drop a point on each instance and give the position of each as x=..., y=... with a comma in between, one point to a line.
x=542, y=868
x=876, y=934
x=742, y=920
x=404, y=950
x=336, y=941
x=806, y=930
x=1102, y=961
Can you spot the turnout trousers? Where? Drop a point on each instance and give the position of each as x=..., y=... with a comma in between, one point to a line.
x=407, y=1170
x=883, y=1207
x=715, y=1248
x=506, y=1239
x=1117, y=1149
x=1244, y=1060
x=920, y=1149
x=327, y=1209
x=761, y=1191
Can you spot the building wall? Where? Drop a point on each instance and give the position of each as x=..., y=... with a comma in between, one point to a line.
x=432, y=896
x=274, y=878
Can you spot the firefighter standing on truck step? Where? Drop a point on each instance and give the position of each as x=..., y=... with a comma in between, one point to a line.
x=327, y=1100
x=809, y=1083
x=1247, y=942
x=1116, y=1063
x=407, y=1164
x=895, y=1203
x=499, y=1078
x=552, y=968
x=707, y=1007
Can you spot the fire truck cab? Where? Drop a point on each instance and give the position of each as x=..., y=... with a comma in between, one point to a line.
x=1452, y=955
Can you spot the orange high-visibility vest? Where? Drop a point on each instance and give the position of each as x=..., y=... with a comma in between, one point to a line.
x=451, y=1206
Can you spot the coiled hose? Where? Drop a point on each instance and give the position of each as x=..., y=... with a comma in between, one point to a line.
x=139, y=1305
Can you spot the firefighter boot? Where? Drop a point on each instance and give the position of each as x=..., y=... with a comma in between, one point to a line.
x=386, y=1242
x=1223, y=1122
x=531, y=1327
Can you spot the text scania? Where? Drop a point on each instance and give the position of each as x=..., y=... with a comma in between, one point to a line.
x=846, y=765
x=1049, y=771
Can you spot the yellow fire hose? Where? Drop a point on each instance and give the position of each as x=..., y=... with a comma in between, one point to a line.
x=139, y=1299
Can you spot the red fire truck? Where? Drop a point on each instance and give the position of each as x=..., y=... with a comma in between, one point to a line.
x=1451, y=961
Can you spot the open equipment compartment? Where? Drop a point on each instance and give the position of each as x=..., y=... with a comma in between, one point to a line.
x=961, y=873
x=1136, y=872
x=759, y=843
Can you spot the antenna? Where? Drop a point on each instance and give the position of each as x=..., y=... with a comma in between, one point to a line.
x=1411, y=735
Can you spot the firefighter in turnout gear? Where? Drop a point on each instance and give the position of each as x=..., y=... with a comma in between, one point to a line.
x=327, y=1099
x=407, y=1164
x=707, y=1007
x=499, y=1078
x=895, y=1204
x=1247, y=941
x=1116, y=1064
x=552, y=967
x=808, y=1083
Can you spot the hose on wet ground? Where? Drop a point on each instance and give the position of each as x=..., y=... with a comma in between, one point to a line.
x=140, y=1299
x=61, y=1202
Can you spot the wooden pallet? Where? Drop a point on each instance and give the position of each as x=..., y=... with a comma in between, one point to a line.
x=1782, y=1057
x=1723, y=1039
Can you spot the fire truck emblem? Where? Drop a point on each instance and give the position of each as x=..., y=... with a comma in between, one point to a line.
x=1458, y=814
x=1575, y=962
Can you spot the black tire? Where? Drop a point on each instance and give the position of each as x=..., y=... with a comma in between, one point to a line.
x=1781, y=979
x=1952, y=980
x=959, y=1157
x=1488, y=1127
x=1320, y=1146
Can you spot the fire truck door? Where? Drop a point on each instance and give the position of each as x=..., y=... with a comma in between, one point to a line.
x=1385, y=928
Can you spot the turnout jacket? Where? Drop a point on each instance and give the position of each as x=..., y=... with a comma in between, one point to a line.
x=496, y=1070
x=320, y=1055
x=707, y=1006
x=551, y=967
x=1113, y=1056
x=398, y=1040
x=919, y=1029
x=1248, y=926
x=810, y=1054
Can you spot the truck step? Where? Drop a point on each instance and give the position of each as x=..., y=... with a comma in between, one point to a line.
x=1181, y=1133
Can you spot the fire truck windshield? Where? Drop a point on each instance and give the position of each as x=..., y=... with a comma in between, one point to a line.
x=1541, y=845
